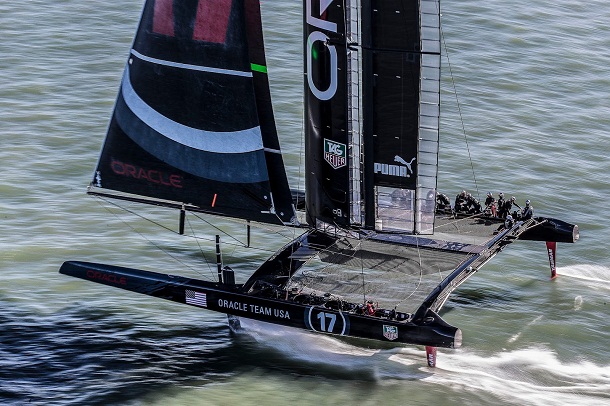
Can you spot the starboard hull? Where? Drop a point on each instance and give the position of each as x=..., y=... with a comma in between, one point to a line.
x=432, y=331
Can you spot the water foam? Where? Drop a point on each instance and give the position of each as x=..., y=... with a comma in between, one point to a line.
x=587, y=272
x=533, y=376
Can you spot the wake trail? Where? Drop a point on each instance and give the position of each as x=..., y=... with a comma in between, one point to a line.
x=587, y=272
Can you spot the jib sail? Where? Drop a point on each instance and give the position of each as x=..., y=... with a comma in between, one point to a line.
x=193, y=122
x=372, y=113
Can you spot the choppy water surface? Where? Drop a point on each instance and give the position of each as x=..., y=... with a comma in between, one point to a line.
x=533, y=81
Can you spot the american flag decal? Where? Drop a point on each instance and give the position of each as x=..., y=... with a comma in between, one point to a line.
x=196, y=298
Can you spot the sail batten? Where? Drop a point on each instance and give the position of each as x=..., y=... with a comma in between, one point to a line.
x=180, y=65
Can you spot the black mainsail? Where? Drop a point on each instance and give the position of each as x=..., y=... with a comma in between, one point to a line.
x=193, y=122
x=193, y=129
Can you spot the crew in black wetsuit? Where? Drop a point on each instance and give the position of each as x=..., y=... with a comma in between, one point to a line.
x=490, y=204
x=514, y=202
x=508, y=204
x=528, y=211
x=443, y=205
x=472, y=205
x=401, y=197
x=460, y=203
x=501, y=203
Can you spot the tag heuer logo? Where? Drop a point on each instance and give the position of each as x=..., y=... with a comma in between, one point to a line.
x=335, y=153
x=390, y=332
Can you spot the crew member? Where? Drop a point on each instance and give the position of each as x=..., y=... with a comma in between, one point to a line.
x=442, y=203
x=400, y=197
x=503, y=206
x=460, y=203
x=490, y=204
x=370, y=309
x=472, y=205
x=430, y=203
x=508, y=204
x=514, y=202
x=528, y=211
x=500, y=201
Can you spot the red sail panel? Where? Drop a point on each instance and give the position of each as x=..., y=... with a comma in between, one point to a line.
x=163, y=20
x=212, y=20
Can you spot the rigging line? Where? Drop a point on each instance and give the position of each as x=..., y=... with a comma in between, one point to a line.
x=421, y=275
x=218, y=229
x=239, y=244
x=299, y=181
x=459, y=110
x=134, y=213
x=200, y=248
x=330, y=264
x=140, y=234
x=228, y=243
x=359, y=247
x=255, y=224
x=235, y=245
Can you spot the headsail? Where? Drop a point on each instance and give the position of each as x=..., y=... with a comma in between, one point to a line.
x=385, y=74
x=193, y=122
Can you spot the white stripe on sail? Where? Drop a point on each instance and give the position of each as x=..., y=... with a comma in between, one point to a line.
x=191, y=67
x=212, y=141
x=273, y=151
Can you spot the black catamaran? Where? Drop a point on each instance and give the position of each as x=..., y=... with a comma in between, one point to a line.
x=193, y=129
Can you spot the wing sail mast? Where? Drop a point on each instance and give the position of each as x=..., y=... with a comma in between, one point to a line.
x=372, y=102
